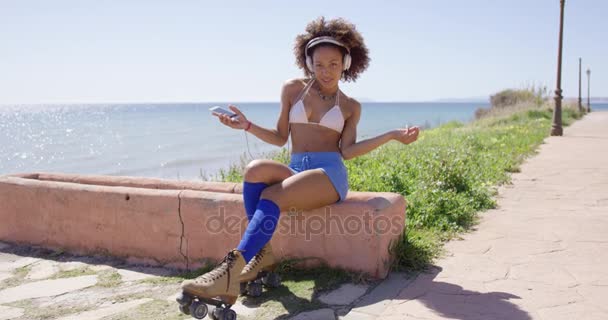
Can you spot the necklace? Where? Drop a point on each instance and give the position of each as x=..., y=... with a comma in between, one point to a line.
x=324, y=97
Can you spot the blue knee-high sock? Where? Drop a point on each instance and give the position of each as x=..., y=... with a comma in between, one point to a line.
x=260, y=229
x=251, y=196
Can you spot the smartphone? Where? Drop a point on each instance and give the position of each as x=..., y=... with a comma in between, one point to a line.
x=221, y=110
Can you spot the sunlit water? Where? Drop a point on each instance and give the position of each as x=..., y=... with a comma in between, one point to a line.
x=176, y=141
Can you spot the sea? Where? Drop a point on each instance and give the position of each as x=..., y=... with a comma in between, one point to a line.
x=180, y=141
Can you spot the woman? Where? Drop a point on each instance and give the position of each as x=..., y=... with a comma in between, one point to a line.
x=322, y=121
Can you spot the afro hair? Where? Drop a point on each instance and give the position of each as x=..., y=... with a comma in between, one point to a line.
x=342, y=31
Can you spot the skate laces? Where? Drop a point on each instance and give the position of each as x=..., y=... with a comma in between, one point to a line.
x=256, y=259
x=221, y=268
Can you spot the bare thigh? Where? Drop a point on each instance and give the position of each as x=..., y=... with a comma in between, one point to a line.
x=305, y=190
x=266, y=171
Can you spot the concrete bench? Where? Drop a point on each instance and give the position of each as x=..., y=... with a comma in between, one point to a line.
x=182, y=223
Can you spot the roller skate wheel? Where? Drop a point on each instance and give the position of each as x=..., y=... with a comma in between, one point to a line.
x=254, y=289
x=217, y=314
x=229, y=314
x=272, y=280
x=198, y=310
x=183, y=299
x=184, y=309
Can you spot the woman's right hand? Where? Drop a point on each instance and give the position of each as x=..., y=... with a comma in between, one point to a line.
x=407, y=135
x=237, y=122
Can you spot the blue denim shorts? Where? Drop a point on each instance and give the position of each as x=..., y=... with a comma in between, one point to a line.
x=330, y=162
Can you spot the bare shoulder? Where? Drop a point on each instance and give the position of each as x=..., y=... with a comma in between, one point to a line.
x=351, y=106
x=293, y=87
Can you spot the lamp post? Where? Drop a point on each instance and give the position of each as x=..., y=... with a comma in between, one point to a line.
x=556, y=127
x=580, y=98
x=588, y=90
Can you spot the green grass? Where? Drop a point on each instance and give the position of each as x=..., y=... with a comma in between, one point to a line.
x=83, y=271
x=155, y=309
x=33, y=312
x=18, y=277
x=180, y=277
x=300, y=289
x=109, y=279
x=448, y=176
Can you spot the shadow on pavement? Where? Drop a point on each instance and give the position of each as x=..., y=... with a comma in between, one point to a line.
x=455, y=302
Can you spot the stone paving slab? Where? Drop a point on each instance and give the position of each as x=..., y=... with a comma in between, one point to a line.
x=106, y=311
x=5, y=275
x=357, y=315
x=42, y=269
x=13, y=262
x=46, y=288
x=128, y=275
x=542, y=254
x=93, y=295
x=7, y=313
x=344, y=295
x=126, y=289
x=321, y=314
x=373, y=304
x=141, y=273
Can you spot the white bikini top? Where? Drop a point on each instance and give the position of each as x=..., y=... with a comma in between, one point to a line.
x=332, y=119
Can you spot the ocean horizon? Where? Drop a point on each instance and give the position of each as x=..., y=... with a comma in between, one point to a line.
x=171, y=140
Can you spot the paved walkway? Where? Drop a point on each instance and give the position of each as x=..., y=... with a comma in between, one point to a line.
x=542, y=254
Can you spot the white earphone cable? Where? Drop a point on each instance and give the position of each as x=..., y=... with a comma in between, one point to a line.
x=247, y=140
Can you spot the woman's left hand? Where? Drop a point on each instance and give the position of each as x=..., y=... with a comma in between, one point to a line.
x=407, y=135
x=237, y=122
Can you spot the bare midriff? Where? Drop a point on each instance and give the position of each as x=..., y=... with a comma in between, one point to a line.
x=310, y=137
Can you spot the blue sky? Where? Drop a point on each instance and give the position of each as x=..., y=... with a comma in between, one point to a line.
x=71, y=51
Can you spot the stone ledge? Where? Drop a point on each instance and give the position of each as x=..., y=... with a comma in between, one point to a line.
x=179, y=224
